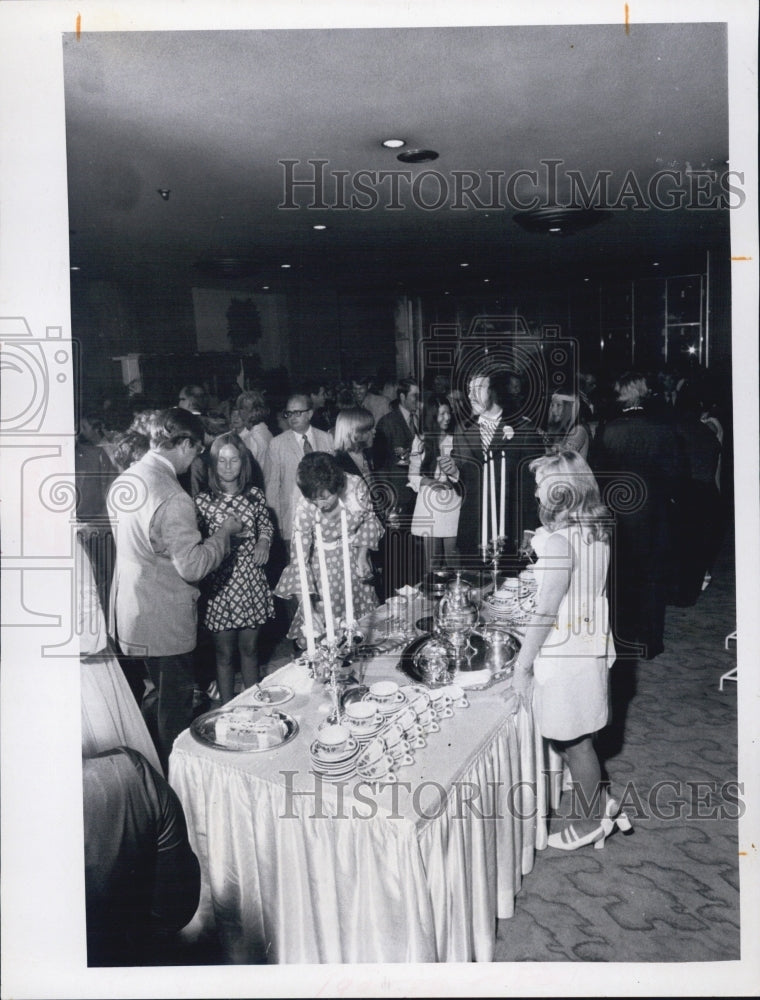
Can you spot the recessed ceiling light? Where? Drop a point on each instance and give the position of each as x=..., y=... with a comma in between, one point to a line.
x=284, y=265
x=655, y=263
x=74, y=268
x=417, y=155
x=587, y=279
x=555, y=229
x=394, y=143
x=486, y=280
x=265, y=288
x=319, y=226
x=464, y=265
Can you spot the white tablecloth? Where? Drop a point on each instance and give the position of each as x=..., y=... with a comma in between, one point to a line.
x=295, y=870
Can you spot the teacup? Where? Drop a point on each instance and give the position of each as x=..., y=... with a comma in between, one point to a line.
x=372, y=753
x=418, y=700
x=429, y=721
x=457, y=694
x=386, y=779
x=377, y=769
x=333, y=739
x=393, y=734
x=362, y=714
x=399, y=748
x=442, y=703
x=406, y=718
x=385, y=692
x=418, y=741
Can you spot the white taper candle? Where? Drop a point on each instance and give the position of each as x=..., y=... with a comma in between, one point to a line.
x=484, y=508
x=492, y=484
x=308, y=621
x=324, y=584
x=347, y=568
x=503, y=497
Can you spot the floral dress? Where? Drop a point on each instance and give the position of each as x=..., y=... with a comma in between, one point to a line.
x=364, y=530
x=236, y=594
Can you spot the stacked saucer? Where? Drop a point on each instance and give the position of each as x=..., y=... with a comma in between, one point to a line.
x=334, y=753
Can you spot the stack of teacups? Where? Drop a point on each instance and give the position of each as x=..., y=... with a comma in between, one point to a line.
x=397, y=744
x=428, y=719
x=409, y=723
x=375, y=763
x=387, y=696
x=334, y=752
x=457, y=695
x=363, y=719
x=441, y=702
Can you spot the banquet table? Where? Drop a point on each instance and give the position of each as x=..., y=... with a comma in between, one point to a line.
x=296, y=869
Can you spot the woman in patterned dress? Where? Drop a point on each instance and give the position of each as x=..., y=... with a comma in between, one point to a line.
x=236, y=598
x=327, y=490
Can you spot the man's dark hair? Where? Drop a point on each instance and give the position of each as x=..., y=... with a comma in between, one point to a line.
x=405, y=384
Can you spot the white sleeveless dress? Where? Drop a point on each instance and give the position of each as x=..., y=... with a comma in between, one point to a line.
x=571, y=670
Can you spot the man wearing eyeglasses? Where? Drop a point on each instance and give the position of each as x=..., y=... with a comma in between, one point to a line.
x=284, y=453
x=160, y=557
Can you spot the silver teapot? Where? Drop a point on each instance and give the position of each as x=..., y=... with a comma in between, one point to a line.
x=502, y=648
x=457, y=610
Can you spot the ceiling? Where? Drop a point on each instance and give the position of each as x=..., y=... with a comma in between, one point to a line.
x=208, y=116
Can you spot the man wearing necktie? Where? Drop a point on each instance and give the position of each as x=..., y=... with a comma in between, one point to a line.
x=284, y=453
x=494, y=432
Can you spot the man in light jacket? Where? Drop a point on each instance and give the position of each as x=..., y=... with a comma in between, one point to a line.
x=284, y=453
x=160, y=557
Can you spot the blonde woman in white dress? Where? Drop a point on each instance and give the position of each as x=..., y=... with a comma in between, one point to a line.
x=563, y=664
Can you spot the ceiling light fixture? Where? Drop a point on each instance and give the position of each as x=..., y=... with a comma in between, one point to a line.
x=227, y=266
x=417, y=155
x=566, y=221
x=164, y=192
x=319, y=226
x=464, y=265
x=394, y=143
x=285, y=265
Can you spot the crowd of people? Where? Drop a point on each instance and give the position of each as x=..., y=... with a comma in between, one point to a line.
x=200, y=520
x=226, y=483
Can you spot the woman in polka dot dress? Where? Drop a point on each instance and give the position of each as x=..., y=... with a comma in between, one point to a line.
x=236, y=598
x=326, y=490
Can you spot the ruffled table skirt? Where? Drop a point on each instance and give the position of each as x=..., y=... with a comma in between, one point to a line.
x=300, y=871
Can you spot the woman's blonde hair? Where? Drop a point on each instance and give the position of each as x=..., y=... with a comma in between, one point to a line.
x=573, y=496
x=350, y=426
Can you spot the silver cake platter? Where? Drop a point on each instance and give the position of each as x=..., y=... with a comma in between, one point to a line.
x=204, y=728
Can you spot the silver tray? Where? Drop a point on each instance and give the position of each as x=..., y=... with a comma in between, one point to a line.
x=204, y=728
x=408, y=667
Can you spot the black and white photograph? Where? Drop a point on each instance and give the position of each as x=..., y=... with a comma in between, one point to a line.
x=380, y=499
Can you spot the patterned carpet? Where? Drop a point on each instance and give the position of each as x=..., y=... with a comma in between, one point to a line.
x=670, y=892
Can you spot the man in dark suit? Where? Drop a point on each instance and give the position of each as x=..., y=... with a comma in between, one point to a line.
x=393, y=442
x=494, y=432
x=636, y=460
